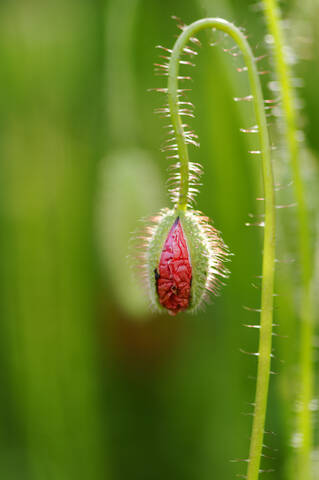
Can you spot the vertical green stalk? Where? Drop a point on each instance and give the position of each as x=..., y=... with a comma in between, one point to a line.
x=272, y=14
x=268, y=269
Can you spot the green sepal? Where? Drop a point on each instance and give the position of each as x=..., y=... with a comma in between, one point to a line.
x=199, y=255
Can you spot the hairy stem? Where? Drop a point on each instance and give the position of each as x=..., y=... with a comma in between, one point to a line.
x=272, y=14
x=266, y=316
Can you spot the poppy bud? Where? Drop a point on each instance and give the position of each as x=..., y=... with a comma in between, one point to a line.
x=184, y=259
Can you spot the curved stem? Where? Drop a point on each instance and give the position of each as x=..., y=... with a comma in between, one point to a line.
x=272, y=14
x=266, y=316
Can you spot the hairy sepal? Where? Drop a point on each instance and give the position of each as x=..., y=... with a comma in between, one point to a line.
x=206, y=249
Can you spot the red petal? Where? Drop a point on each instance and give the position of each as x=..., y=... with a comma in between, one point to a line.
x=174, y=276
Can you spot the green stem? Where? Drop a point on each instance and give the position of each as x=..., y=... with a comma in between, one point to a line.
x=266, y=316
x=272, y=14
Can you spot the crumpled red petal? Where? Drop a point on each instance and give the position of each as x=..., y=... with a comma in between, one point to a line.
x=174, y=274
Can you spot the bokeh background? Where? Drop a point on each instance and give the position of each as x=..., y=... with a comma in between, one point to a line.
x=94, y=385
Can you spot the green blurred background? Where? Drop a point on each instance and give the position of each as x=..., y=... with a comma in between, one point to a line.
x=93, y=385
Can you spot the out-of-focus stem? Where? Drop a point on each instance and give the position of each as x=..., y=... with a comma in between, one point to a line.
x=272, y=14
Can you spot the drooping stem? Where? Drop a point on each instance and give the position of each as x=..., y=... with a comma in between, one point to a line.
x=272, y=14
x=266, y=316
